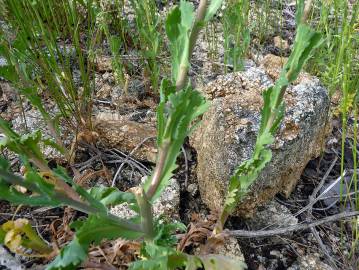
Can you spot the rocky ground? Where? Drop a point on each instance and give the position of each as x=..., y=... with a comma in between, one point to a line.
x=299, y=185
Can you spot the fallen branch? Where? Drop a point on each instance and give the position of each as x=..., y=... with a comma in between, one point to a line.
x=299, y=227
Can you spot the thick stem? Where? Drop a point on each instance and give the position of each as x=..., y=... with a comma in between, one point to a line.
x=156, y=178
x=59, y=184
x=63, y=198
x=146, y=213
x=198, y=25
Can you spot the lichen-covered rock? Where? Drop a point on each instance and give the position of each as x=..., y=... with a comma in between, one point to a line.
x=310, y=262
x=272, y=215
x=228, y=132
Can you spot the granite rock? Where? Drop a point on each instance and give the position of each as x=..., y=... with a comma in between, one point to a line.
x=229, y=128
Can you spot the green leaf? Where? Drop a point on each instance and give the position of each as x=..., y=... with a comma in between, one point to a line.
x=178, y=28
x=187, y=14
x=172, y=24
x=8, y=73
x=305, y=42
x=33, y=96
x=299, y=12
x=92, y=231
x=2, y=235
x=115, y=44
x=159, y=258
x=176, y=119
x=26, y=144
x=111, y=195
x=42, y=191
x=70, y=256
x=212, y=9
x=165, y=232
x=61, y=173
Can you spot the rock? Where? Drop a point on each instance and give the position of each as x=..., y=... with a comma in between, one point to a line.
x=272, y=64
x=3, y=62
x=117, y=131
x=7, y=261
x=167, y=205
x=309, y=262
x=272, y=215
x=123, y=210
x=228, y=132
x=103, y=63
x=33, y=122
x=229, y=248
x=280, y=43
x=192, y=189
x=104, y=92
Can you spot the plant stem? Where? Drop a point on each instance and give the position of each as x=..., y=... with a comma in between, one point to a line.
x=197, y=26
x=146, y=213
x=156, y=178
x=63, y=198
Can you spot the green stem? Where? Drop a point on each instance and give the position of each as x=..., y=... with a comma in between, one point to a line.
x=157, y=174
x=146, y=213
x=64, y=199
x=35, y=242
x=197, y=26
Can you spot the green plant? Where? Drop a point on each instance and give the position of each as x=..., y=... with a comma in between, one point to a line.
x=334, y=64
x=18, y=236
x=40, y=62
x=272, y=113
x=149, y=24
x=177, y=115
x=236, y=39
x=115, y=41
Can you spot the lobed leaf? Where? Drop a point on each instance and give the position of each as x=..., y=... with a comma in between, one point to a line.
x=178, y=28
x=175, y=118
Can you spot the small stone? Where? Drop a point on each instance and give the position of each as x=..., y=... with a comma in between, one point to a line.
x=272, y=215
x=103, y=63
x=231, y=249
x=281, y=43
x=123, y=210
x=275, y=253
x=3, y=62
x=192, y=189
x=35, y=121
x=104, y=92
x=106, y=76
x=168, y=203
x=8, y=261
x=310, y=262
